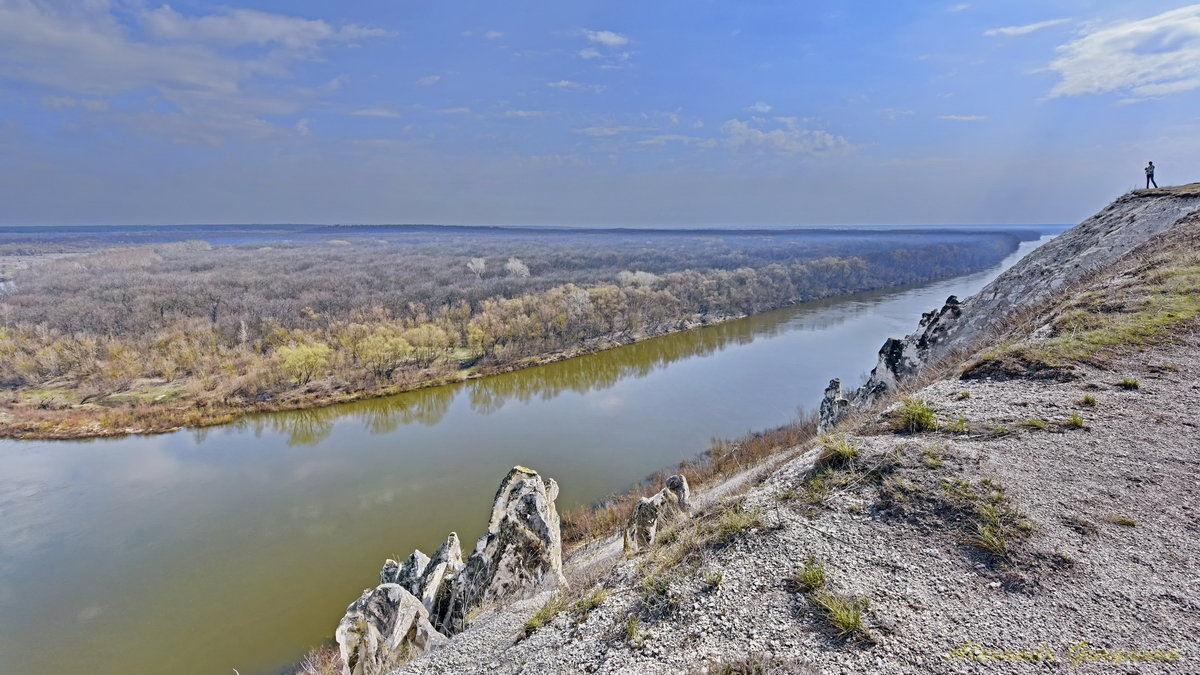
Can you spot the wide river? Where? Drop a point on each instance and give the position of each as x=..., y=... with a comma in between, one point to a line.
x=240, y=546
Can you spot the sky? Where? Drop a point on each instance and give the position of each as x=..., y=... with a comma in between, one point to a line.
x=673, y=112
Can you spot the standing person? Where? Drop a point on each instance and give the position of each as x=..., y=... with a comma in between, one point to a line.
x=1150, y=175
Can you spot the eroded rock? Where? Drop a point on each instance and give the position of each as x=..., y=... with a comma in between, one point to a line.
x=519, y=556
x=386, y=626
x=651, y=513
x=834, y=406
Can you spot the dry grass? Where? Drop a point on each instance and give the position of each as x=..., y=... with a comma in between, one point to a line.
x=723, y=459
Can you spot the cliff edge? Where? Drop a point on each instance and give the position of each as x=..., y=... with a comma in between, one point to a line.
x=994, y=519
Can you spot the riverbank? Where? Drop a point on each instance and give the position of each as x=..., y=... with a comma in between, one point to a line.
x=1028, y=501
x=47, y=415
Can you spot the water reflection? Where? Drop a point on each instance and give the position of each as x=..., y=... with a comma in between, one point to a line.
x=581, y=375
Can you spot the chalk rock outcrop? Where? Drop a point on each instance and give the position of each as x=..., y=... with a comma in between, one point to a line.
x=834, y=406
x=667, y=505
x=382, y=628
x=422, y=600
x=519, y=556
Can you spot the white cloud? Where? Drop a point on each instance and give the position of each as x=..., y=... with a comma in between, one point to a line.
x=526, y=114
x=454, y=111
x=962, y=118
x=1156, y=56
x=1011, y=31
x=606, y=38
x=247, y=26
x=607, y=131
x=760, y=107
x=378, y=112
x=590, y=53
x=493, y=35
x=896, y=113
x=60, y=102
x=429, y=80
x=575, y=86
x=955, y=9
x=791, y=138
x=663, y=139
x=208, y=67
x=304, y=127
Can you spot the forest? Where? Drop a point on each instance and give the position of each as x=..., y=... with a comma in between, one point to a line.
x=111, y=332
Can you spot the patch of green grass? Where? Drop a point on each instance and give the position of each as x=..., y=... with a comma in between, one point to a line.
x=914, y=416
x=1124, y=521
x=989, y=538
x=897, y=489
x=1035, y=423
x=1076, y=421
x=844, y=612
x=1129, y=383
x=633, y=631
x=544, y=615
x=931, y=458
x=714, y=579
x=1143, y=309
x=587, y=603
x=1088, y=400
x=958, y=426
x=809, y=576
x=959, y=490
x=787, y=495
x=963, y=395
x=734, y=522
x=836, y=452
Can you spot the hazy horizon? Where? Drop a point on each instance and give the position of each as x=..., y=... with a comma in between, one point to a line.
x=126, y=112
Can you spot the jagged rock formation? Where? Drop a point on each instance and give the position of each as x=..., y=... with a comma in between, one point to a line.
x=420, y=602
x=519, y=555
x=669, y=504
x=834, y=406
x=1063, y=261
x=382, y=628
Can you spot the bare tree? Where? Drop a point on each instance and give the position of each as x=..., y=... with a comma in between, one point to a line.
x=516, y=268
x=477, y=265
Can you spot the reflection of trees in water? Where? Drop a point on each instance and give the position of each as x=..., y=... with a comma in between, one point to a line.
x=582, y=375
x=379, y=416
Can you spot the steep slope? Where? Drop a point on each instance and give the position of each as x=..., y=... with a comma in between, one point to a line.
x=999, y=524
x=1068, y=259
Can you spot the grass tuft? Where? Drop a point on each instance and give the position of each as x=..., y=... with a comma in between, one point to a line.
x=1088, y=400
x=836, y=452
x=810, y=576
x=1124, y=521
x=1035, y=423
x=844, y=612
x=914, y=416
x=544, y=615
x=1129, y=383
x=1076, y=421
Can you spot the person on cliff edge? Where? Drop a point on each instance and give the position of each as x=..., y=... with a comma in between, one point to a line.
x=1150, y=175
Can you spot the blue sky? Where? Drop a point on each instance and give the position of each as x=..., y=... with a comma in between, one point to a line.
x=613, y=113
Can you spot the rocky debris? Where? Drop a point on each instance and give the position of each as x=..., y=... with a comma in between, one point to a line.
x=667, y=505
x=1069, y=258
x=383, y=628
x=421, y=601
x=834, y=406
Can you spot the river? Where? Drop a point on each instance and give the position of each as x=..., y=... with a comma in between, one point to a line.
x=240, y=546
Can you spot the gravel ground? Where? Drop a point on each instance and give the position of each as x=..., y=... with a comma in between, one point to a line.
x=1077, y=576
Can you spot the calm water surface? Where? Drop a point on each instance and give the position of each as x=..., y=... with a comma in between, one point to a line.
x=240, y=546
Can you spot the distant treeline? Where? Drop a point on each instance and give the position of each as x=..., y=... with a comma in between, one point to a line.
x=239, y=325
